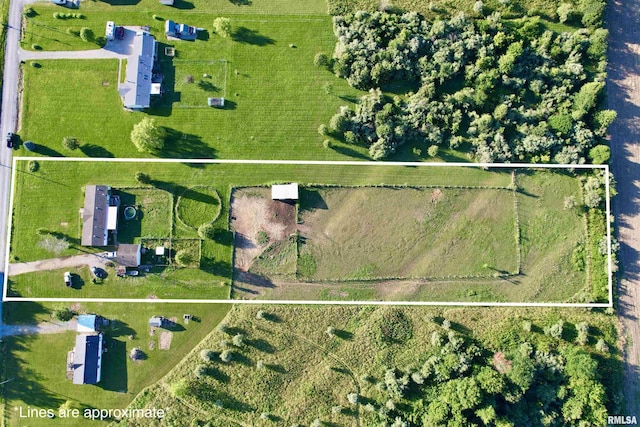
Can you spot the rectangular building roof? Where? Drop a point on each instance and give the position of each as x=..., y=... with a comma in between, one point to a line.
x=94, y=215
x=87, y=362
x=284, y=192
x=136, y=91
x=87, y=323
x=128, y=255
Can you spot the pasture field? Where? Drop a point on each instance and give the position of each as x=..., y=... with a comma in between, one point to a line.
x=424, y=239
x=36, y=363
x=369, y=233
x=268, y=375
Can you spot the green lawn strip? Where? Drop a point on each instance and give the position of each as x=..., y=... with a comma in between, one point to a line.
x=371, y=233
x=185, y=283
x=153, y=214
x=440, y=8
x=549, y=235
x=37, y=362
x=294, y=389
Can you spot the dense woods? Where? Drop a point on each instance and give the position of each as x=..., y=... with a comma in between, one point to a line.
x=510, y=90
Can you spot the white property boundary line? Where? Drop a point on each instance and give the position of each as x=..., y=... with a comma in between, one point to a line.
x=605, y=168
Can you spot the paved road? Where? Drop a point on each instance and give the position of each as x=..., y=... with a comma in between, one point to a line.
x=57, y=263
x=8, y=118
x=624, y=96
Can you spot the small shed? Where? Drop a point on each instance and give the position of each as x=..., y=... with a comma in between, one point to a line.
x=284, y=191
x=216, y=102
x=157, y=321
x=88, y=323
x=129, y=255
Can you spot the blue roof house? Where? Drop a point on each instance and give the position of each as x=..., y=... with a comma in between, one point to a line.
x=88, y=323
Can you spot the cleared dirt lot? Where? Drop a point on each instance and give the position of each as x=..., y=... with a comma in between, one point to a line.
x=252, y=213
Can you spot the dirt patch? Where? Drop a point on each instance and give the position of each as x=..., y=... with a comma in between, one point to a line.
x=436, y=195
x=164, y=341
x=252, y=212
x=152, y=345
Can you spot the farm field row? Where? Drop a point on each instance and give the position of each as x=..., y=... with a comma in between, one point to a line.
x=507, y=239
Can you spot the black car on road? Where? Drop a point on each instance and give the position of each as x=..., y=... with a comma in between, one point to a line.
x=10, y=137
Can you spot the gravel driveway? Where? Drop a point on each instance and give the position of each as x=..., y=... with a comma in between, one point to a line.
x=58, y=263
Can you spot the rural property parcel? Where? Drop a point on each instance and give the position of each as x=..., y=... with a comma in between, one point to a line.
x=358, y=232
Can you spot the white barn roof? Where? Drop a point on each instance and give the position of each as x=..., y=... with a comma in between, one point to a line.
x=284, y=192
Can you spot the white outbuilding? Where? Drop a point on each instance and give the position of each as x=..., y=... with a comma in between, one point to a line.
x=284, y=191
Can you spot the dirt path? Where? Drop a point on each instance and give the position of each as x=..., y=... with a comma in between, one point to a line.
x=57, y=263
x=623, y=90
x=40, y=328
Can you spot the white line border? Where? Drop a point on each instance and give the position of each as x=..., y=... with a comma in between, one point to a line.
x=605, y=168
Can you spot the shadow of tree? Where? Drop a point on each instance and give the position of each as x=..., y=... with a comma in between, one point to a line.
x=249, y=36
x=185, y=145
x=93, y=150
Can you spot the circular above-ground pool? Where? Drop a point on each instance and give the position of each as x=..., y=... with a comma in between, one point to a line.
x=129, y=212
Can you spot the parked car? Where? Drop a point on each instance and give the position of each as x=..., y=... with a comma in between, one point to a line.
x=67, y=278
x=111, y=255
x=132, y=272
x=98, y=272
x=10, y=138
x=120, y=33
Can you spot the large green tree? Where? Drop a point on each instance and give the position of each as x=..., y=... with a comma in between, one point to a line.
x=148, y=136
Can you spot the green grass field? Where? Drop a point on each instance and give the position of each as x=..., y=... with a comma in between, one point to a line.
x=370, y=233
x=36, y=363
x=295, y=389
x=549, y=233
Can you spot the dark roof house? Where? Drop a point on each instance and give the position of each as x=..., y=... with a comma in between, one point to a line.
x=87, y=359
x=94, y=215
x=129, y=255
x=173, y=30
x=136, y=91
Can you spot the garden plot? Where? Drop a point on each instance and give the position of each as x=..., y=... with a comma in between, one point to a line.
x=376, y=233
x=198, y=80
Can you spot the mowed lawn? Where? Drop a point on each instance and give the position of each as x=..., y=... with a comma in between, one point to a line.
x=36, y=363
x=275, y=96
x=367, y=233
x=36, y=207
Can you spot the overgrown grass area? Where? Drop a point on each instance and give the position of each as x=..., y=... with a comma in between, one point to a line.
x=371, y=233
x=198, y=206
x=267, y=379
x=35, y=364
x=154, y=214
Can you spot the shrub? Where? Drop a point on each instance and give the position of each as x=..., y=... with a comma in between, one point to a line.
x=526, y=326
x=446, y=324
x=323, y=130
x=34, y=65
x=143, y=178
x=222, y=26
x=602, y=346
x=555, y=330
x=33, y=166
x=57, y=15
x=338, y=123
x=36, y=47
x=433, y=151
x=238, y=340
x=583, y=333
x=70, y=143
x=478, y=6
x=207, y=231
x=63, y=314
x=331, y=331
x=592, y=12
x=569, y=202
x=327, y=143
x=599, y=154
x=350, y=137
x=200, y=371
x=136, y=354
x=207, y=355
x=29, y=12
x=260, y=364
x=86, y=34
x=226, y=356
x=353, y=398
x=261, y=315
x=564, y=12
x=73, y=31
x=336, y=409
x=158, y=18
x=320, y=60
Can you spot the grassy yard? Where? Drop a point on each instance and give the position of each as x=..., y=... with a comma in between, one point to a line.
x=154, y=215
x=369, y=233
x=549, y=233
x=294, y=389
x=37, y=362
x=276, y=97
